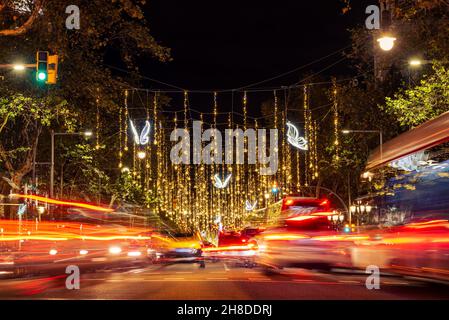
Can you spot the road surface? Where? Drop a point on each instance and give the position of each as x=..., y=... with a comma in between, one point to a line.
x=218, y=281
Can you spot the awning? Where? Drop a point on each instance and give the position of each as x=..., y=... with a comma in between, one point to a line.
x=427, y=135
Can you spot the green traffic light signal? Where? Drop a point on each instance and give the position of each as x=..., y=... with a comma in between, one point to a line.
x=41, y=76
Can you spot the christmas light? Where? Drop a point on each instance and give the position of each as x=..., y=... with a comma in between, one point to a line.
x=250, y=206
x=143, y=139
x=294, y=138
x=219, y=184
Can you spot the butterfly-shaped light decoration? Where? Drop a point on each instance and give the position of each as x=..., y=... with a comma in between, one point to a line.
x=144, y=138
x=221, y=184
x=294, y=139
x=250, y=206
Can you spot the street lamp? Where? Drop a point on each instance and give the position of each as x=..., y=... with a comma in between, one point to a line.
x=386, y=42
x=18, y=67
x=88, y=134
x=415, y=62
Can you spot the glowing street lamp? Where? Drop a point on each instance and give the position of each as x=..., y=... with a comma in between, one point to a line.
x=415, y=63
x=88, y=134
x=18, y=67
x=386, y=43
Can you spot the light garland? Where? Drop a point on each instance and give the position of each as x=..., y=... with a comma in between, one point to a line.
x=192, y=196
x=336, y=120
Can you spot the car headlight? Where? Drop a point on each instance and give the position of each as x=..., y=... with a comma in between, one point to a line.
x=134, y=254
x=115, y=250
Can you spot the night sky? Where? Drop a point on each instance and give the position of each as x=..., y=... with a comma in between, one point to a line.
x=229, y=44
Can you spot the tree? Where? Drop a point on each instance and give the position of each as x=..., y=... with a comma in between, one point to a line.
x=427, y=100
x=22, y=120
x=112, y=32
x=26, y=21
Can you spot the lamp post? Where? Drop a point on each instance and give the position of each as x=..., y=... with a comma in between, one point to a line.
x=86, y=134
x=359, y=208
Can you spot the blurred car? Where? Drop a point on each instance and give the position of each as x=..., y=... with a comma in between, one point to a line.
x=419, y=248
x=184, y=247
x=304, y=237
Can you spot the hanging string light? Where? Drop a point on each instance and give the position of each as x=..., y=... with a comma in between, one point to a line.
x=336, y=120
x=97, y=129
x=126, y=120
x=120, y=134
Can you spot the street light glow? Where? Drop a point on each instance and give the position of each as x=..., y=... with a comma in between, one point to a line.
x=415, y=62
x=386, y=43
x=19, y=67
x=88, y=134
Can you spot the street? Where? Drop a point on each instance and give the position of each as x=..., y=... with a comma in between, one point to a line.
x=219, y=281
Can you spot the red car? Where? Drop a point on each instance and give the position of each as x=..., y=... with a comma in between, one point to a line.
x=305, y=212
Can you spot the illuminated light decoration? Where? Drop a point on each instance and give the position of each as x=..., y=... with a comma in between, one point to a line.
x=83, y=252
x=294, y=138
x=53, y=252
x=143, y=139
x=219, y=184
x=63, y=203
x=250, y=206
x=336, y=120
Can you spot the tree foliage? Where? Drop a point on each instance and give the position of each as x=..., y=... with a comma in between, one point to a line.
x=427, y=100
x=22, y=120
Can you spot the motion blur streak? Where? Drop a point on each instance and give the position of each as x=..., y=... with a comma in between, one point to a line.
x=58, y=231
x=64, y=203
x=284, y=237
x=229, y=248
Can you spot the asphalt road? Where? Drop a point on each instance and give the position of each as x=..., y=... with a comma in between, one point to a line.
x=218, y=281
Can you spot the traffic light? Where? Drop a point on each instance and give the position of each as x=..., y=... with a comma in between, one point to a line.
x=46, y=67
x=42, y=66
x=52, y=69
